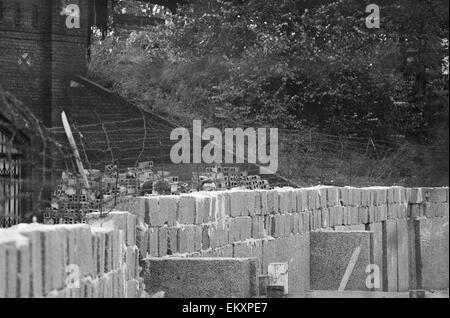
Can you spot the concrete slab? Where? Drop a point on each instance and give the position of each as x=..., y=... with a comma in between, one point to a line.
x=294, y=251
x=201, y=277
x=390, y=254
x=432, y=253
x=402, y=255
x=377, y=230
x=331, y=254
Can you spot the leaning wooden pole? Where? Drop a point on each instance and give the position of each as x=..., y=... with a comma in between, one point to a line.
x=73, y=145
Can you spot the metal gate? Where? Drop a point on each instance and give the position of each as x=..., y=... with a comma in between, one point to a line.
x=10, y=181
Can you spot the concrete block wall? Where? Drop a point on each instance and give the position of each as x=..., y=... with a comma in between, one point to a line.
x=408, y=230
x=275, y=225
x=99, y=260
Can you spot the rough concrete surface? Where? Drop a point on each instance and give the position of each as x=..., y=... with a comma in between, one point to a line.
x=434, y=253
x=201, y=277
x=330, y=255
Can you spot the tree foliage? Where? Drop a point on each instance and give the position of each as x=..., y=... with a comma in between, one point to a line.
x=297, y=64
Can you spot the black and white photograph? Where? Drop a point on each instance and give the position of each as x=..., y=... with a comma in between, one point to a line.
x=223, y=156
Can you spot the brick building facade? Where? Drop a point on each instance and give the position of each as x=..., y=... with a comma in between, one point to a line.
x=38, y=52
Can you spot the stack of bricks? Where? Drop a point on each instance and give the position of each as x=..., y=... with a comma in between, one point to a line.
x=71, y=261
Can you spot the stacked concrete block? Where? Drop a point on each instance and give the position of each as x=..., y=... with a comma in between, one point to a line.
x=265, y=224
x=70, y=261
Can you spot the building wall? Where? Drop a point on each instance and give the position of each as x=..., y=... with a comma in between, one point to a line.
x=36, y=31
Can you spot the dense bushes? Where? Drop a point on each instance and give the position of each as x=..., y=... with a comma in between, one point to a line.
x=273, y=63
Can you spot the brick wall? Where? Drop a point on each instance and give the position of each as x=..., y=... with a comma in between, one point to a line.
x=36, y=28
x=40, y=260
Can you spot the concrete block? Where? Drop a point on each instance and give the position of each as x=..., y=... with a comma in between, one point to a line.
x=317, y=215
x=354, y=215
x=163, y=234
x=390, y=195
x=186, y=209
x=313, y=198
x=265, y=202
x=397, y=195
x=34, y=237
x=223, y=205
x=153, y=245
x=186, y=239
x=372, y=213
x=339, y=211
x=414, y=195
x=332, y=196
x=218, y=234
x=246, y=227
x=9, y=244
x=325, y=218
x=295, y=223
x=432, y=253
x=277, y=226
x=382, y=214
x=355, y=197
x=344, y=196
x=168, y=206
x=238, y=204
x=390, y=252
x=363, y=215
x=249, y=249
x=211, y=214
x=302, y=200
x=223, y=251
x=258, y=226
x=23, y=267
x=322, y=197
x=258, y=203
x=306, y=222
x=201, y=209
x=172, y=240
x=99, y=249
x=284, y=200
x=402, y=255
x=365, y=197
x=331, y=253
x=413, y=245
x=132, y=288
x=377, y=230
x=234, y=230
x=197, y=238
x=153, y=215
x=206, y=241
x=273, y=201
x=251, y=202
x=436, y=209
x=293, y=250
x=201, y=277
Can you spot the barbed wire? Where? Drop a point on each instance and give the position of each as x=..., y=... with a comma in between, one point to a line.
x=306, y=157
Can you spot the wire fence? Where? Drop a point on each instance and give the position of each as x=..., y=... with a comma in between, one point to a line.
x=39, y=177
